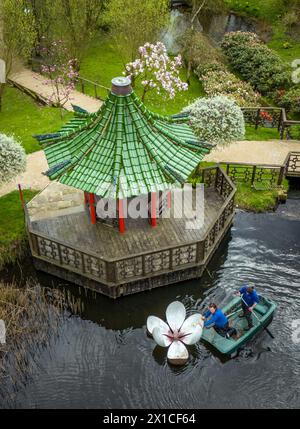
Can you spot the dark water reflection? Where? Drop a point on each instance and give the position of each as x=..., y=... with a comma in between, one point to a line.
x=104, y=359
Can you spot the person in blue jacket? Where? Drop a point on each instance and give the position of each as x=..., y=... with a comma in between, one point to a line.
x=250, y=299
x=214, y=317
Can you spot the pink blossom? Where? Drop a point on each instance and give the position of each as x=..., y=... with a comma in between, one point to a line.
x=153, y=60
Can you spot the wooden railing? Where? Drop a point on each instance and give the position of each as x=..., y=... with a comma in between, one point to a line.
x=113, y=272
x=83, y=84
x=257, y=175
x=293, y=164
x=270, y=117
x=264, y=176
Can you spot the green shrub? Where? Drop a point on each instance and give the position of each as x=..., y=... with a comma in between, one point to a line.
x=294, y=132
x=221, y=82
x=198, y=50
x=213, y=66
x=291, y=100
x=218, y=119
x=256, y=63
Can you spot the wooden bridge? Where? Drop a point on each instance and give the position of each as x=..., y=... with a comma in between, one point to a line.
x=64, y=243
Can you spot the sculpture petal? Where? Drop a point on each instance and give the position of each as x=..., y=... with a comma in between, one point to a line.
x=175, y=315
x=160, y=338
x=177, y=353
x=153, y=322
x=192, y=328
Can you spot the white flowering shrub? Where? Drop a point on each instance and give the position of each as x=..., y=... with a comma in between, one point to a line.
x=12, y=158
x=218, y=120
x=156, y=70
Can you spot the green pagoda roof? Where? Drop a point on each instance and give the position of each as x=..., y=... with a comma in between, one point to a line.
x=123, y=149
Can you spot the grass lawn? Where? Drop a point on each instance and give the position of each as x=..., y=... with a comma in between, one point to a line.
x=278, y=41
x=12, y=230
x=101, y=63
x=267, y=10
x=247, y=197
x=23, y=117
x=271, y=12
x=261, y=133
x=250, y=199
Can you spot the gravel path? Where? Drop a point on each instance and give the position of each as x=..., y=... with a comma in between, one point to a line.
x=32, y=178
x=35, y=82
x=255, y=152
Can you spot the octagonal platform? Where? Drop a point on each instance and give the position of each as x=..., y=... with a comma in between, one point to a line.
x=65, y=243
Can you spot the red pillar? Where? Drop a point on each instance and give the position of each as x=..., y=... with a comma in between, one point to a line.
x=153, y=209
x=92, y=208
x=21, y=195
x=121, y=217
x=169, y=199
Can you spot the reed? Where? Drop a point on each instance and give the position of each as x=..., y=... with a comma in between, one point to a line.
x=32, y=315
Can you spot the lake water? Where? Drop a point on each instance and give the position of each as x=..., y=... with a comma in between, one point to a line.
x=102, y=358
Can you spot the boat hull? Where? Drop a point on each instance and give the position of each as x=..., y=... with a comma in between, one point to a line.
x=264, y=311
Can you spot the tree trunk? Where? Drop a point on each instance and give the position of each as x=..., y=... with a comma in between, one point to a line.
x=144, y=94
x=189, y=71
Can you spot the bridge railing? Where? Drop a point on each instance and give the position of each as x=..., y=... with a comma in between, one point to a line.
x=261, y=176
x=293, y=164
x=269, y=117
x=92, y=88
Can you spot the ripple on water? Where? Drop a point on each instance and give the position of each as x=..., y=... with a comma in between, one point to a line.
x=104, y=359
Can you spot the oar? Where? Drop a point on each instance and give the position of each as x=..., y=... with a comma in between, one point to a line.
x=252, y=312
x=232, y=314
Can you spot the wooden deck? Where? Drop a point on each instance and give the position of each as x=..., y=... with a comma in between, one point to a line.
x=99, y=257
x=76, y=230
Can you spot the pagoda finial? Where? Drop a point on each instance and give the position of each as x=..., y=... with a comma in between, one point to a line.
x=121, y=86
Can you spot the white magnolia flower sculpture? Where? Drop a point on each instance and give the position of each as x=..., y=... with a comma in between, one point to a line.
x=177, y=332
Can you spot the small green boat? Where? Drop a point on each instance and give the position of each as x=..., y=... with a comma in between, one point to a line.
x=264, y=312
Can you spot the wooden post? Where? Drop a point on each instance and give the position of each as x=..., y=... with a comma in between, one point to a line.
x=121, y=217
x=280, y=120
x=153, y=209
x=21, y=195
x=92, y=208
x=282, y=131
x=281, y=175
x=257, y=118
x=169, y=199
x=253, y=175
x=86, y=198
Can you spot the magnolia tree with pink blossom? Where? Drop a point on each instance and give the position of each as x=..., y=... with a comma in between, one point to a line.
x=156, y=70
x=62, y=73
